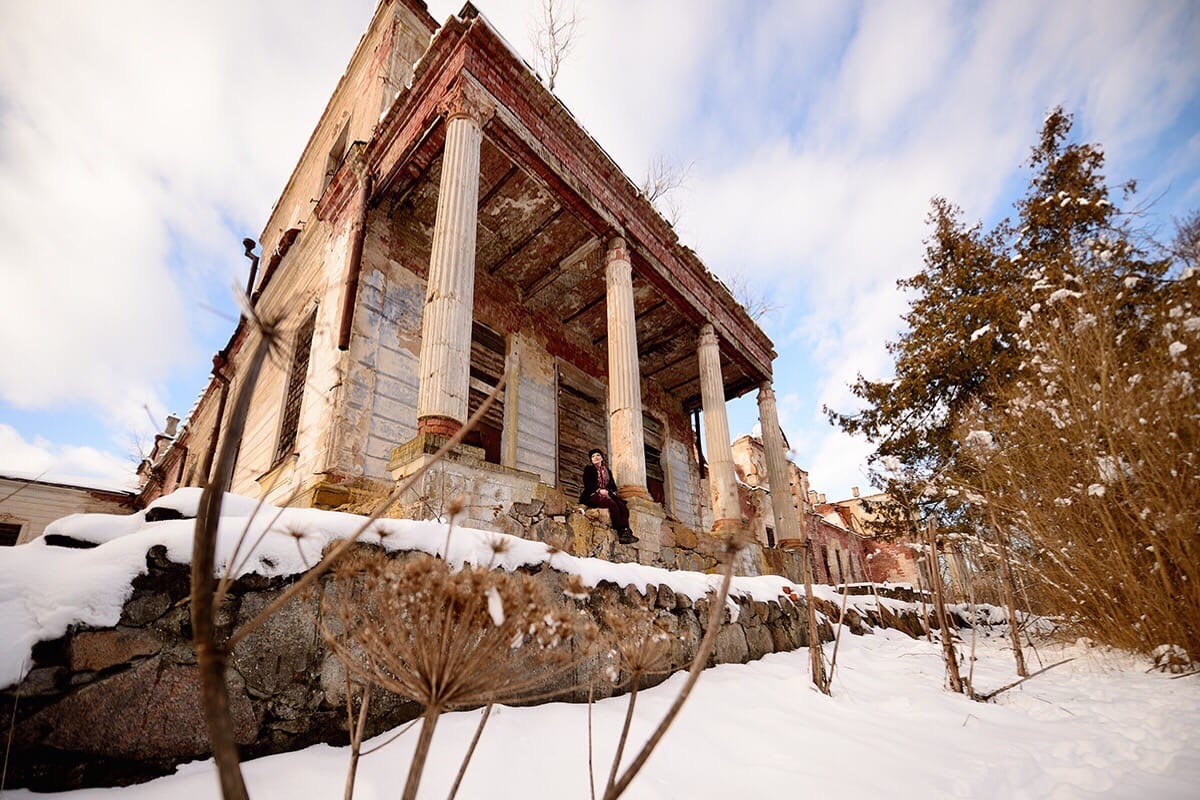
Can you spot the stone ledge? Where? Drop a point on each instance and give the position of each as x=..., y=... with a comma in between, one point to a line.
x=287, y=689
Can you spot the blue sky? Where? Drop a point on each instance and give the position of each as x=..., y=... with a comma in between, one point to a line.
x=140, y=142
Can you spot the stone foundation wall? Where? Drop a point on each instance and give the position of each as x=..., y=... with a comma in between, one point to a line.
x=122, y=705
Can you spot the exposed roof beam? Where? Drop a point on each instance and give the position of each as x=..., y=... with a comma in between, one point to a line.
x=637, y=315
x=578, y=253
x=586, y=308
x=521, y=245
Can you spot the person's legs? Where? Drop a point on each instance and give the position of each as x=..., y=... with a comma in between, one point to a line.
x=618, y=513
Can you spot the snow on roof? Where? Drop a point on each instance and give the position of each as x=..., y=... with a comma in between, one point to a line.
x=833, y=518
x=44, y=590
x=128, y=486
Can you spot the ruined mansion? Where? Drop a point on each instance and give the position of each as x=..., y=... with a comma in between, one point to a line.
x=448, y=225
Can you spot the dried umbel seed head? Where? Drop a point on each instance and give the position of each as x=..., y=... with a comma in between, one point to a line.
x=640, y=646
x=737, y=541
x=576, y=589
x=450, y=637
x=456, y=505
x=499, y=545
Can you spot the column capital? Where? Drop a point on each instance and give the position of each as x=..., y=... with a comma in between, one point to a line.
x=765, y=391
x=618, y=249
x=708, y=335
x=466, y=100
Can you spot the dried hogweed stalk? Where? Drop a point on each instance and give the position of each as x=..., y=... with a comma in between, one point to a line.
x=451, y=638
x=640, y=648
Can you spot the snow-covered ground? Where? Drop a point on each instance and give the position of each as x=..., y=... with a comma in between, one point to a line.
x=1099, y=726
x=1096, y=727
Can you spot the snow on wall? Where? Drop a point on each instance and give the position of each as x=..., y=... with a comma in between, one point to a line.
x=45, y=590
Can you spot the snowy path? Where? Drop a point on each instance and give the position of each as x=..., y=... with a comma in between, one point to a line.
x=1097, y=727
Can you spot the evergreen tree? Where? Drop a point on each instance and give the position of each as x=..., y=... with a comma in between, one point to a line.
x=962, y=345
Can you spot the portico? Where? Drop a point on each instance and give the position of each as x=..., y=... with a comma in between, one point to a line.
x=542, y=262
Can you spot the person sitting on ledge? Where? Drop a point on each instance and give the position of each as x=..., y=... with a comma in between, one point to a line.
x=600, y=491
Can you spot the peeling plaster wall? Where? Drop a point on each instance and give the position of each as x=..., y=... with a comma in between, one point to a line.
x=200, y=426
x=537, y=408
x=308, y=280
x=381, y=64
x=378, y=410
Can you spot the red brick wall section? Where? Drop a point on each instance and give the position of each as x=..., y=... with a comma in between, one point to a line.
x=889, y=561
x=441, y=426
x=853, y=548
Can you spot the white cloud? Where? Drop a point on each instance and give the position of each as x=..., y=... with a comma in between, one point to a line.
x=139, y=141
x=921, y=101
x=41, y=459
x=133, y=137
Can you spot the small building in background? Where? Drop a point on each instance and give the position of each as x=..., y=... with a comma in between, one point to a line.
x=848, y=544
x=29, y=503
x=888, y=557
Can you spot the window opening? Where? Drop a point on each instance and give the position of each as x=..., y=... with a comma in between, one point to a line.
x=487, y=367
x=337, y=154
x=653, y=437
x=582, y=425
x=9, y=533
x=297, y=379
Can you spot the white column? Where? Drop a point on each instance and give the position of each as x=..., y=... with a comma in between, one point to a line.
x=787, y=523
x=628, y=455
x=722, y=480
x=445, y=360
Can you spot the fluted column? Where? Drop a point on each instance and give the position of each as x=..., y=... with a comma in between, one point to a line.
x=445, y=360
x=787, y=523
x=624, y=376
x=722, y=481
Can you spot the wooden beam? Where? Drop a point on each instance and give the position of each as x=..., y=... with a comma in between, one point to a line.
x=487, y=198
x=679, y=360
x=578, y=253
x=672, y=333
x=586, y=307
x=641, y=315
x=521, y=245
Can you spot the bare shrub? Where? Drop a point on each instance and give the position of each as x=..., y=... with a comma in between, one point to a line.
x=664, y=178
x=1089, y=461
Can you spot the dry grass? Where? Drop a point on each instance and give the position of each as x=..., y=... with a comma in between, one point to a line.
x=1091, y=463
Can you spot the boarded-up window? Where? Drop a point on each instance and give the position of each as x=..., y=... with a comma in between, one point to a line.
x=337, y=154
x=297, y=378
x=581, y=426
x=487, y=367
x=770, y=536
x=655, y=479
x=9, y=533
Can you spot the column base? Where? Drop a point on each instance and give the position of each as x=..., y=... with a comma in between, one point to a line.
x=726, y=527
x=427, y=443
x=440, y=426
x=627, y=492
x=646, y=518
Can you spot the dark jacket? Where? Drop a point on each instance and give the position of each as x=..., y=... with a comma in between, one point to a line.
x=591, y=483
